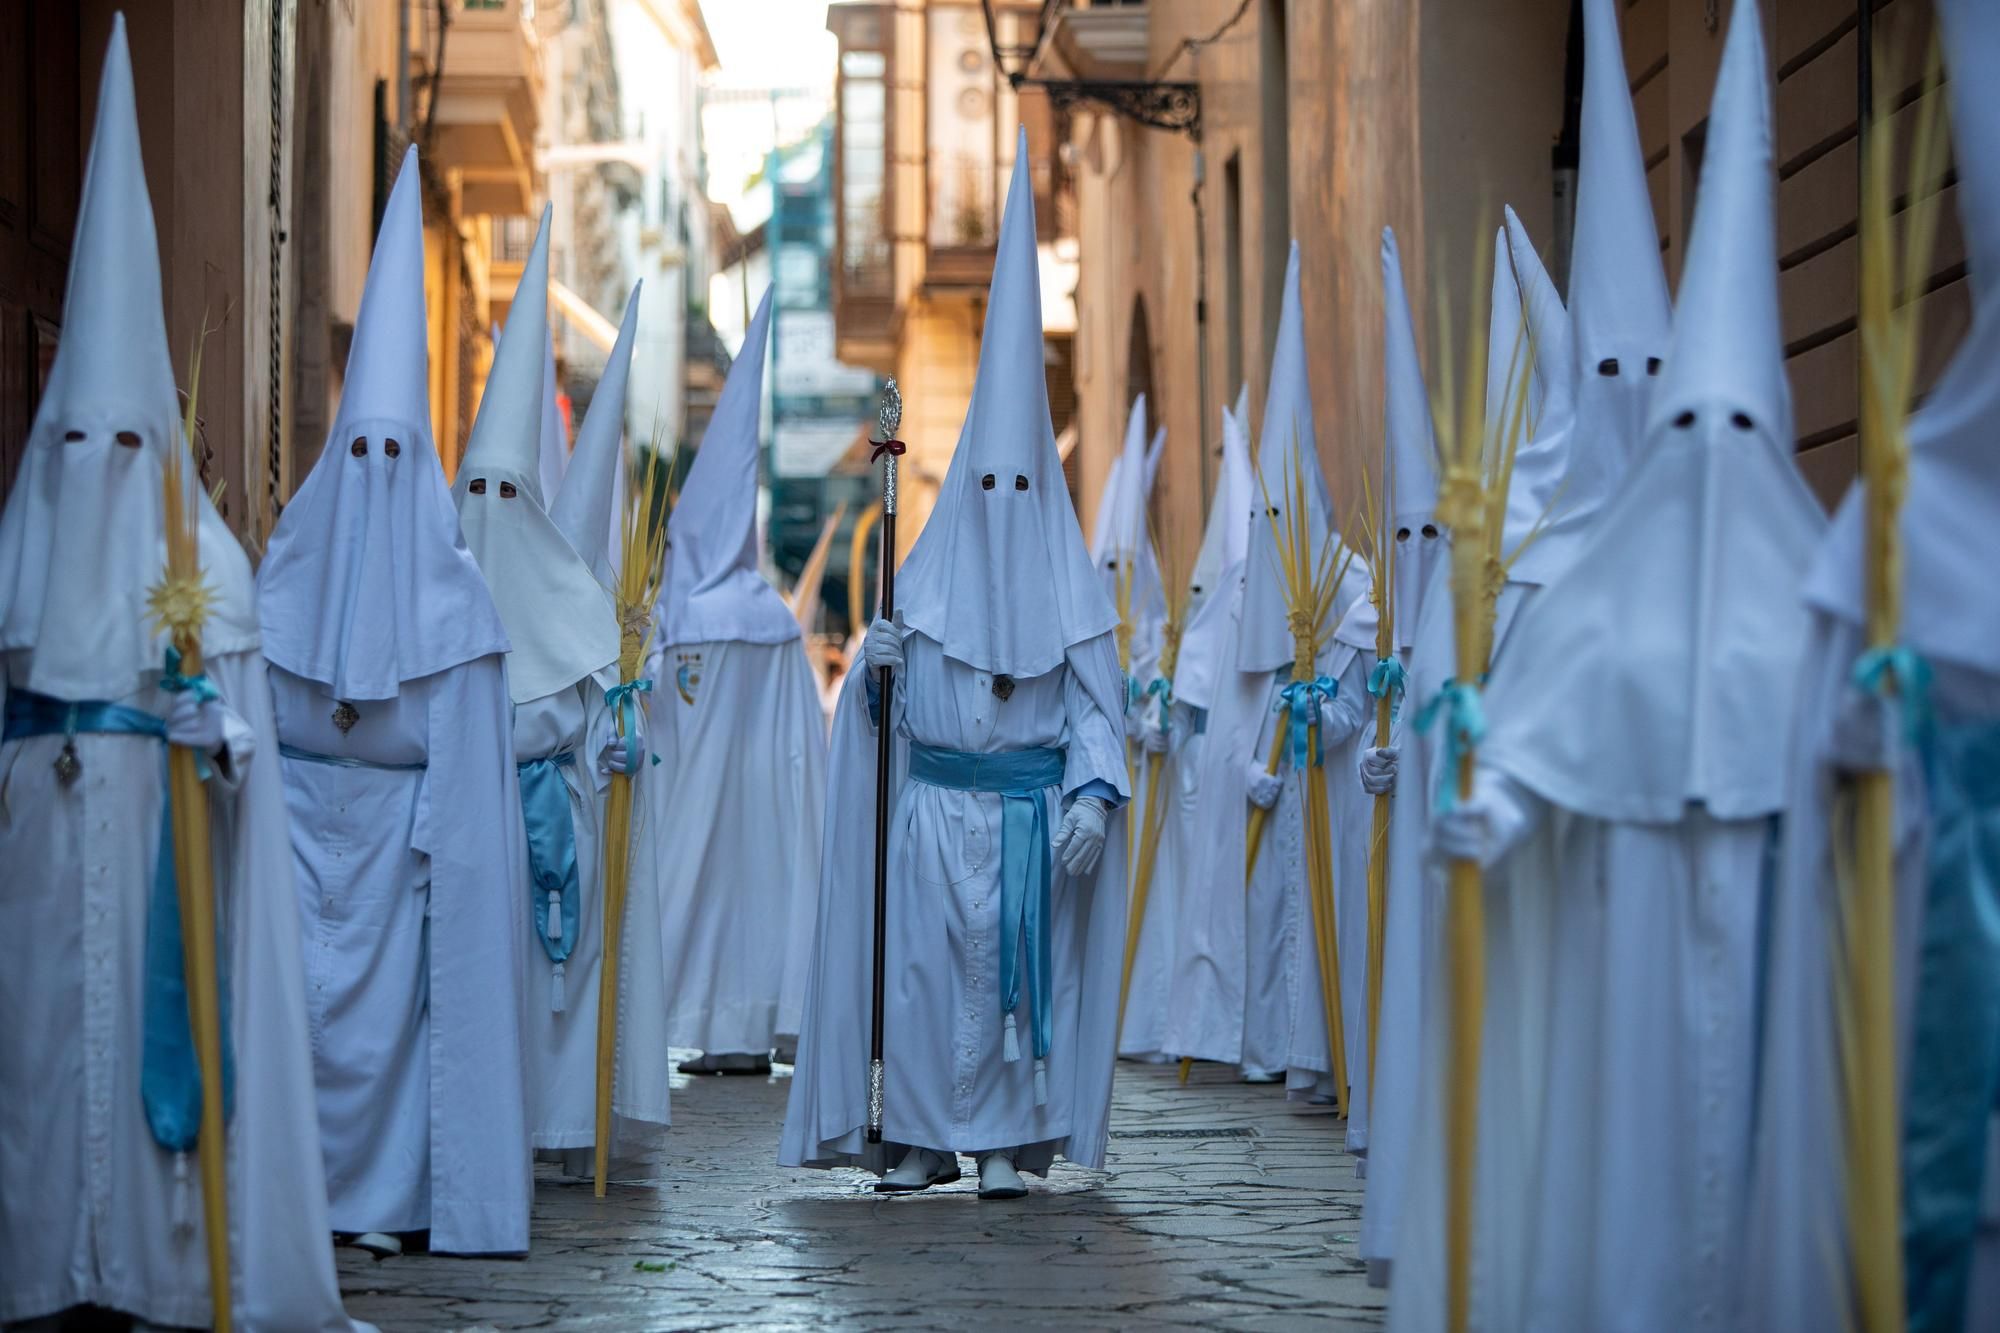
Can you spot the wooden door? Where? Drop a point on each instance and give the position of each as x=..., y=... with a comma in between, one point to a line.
x=41, y=172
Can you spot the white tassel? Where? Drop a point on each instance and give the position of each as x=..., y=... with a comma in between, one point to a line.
x=1041, y=1083
x=183, y=1214
x=1010, y=1042
x=556, y=1003
x=555, y=917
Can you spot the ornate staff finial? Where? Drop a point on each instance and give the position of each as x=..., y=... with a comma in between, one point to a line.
x=890, y=418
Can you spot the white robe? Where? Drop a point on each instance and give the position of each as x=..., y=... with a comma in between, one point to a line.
x=1411, y=940
x=1308, y=1073
x=87, y=1197
x=561, y=1051
x=1615, y=1107
x=947, y=1086
x=739, y=730
x=1795, y=1273
x=413, y=902
x=1144, y=1033
x=1284, y=1017
x=1205, y=1014
x=1354, y=812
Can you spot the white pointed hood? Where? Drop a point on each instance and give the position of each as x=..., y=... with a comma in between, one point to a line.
x=558, y=616
x=1952, y=507
x=554, y=457
x=1212, y=557
x=1656, y=673
x=1155, y=451
x=1104, y=531
x=715, y=591
x=1128, y=542
x=590, y=504
x=1538, y=493
x=366, y=582
x=1288, y=419
x=1550, y=350
x=1000, y=576
x=1410, y=449
x=1618, y=308
x=1208, y=644
x=81, y=539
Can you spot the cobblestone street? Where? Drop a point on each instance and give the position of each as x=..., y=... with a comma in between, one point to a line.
x=1222, y=1208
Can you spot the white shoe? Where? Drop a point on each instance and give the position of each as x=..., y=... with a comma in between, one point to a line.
x=380, y=1244
x=998, y=1179
x=919, y=1170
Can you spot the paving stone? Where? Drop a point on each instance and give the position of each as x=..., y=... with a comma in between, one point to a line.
x=1222, y=1207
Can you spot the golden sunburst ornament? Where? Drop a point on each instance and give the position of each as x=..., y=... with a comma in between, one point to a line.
x=179, y=604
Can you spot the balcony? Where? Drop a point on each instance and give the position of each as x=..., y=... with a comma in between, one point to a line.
x=1098, y=41
x=486, y=91
x=864, y=301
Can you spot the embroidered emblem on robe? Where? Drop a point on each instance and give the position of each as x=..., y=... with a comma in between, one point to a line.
x=687, y=675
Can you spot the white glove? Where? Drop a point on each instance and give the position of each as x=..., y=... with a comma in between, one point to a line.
x=1151, y=737
x=614, y=758
x=1262, y=786
x=1080, y=840
x=196, y=724
x=1378, y=769
x=1136, y=724
x=1864, y=735
x=883, y=647
x=1484, y=826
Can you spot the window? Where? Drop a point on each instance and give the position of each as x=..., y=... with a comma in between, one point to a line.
x=864, y=162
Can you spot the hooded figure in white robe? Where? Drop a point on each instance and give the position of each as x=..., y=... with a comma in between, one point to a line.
x=1530, y=333
x=1409, y=488
x=1284, y=1019
x=562, y=663
x=738, y=723
x=1205, y=989
x=1130, y=567
x=1006, y=875
x=388, y=673
x=1940, y=737
x=588, y=511
x=101, y=1093
x=1626, y=807
x=589, y=505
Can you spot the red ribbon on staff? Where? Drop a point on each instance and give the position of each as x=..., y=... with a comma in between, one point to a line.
x=896, y=447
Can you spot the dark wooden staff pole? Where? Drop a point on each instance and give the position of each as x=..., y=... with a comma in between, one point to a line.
x=887, y=448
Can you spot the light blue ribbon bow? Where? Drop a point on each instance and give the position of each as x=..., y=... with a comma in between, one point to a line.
x=1898, y=664
x=1391, y=679
x=1303, y=698
x=169, y=1074
x=1164, y=688
x=620, y=699
x=1465, y=726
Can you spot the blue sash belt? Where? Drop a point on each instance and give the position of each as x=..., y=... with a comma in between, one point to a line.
x=169, y=1074
x=553, y=908
x=1952, y=1083
x=1020, y=777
